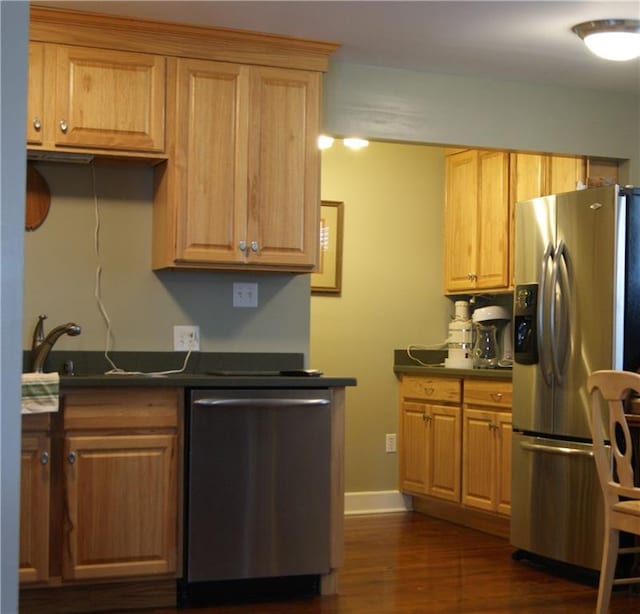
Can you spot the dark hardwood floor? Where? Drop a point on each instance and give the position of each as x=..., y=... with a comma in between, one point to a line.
x=409, y=563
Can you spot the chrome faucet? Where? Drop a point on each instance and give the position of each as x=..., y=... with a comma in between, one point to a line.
x=41, y=345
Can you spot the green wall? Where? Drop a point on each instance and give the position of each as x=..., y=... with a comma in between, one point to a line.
x=415, y=107
x=61, y=265
x=393, y=297
x=393, y=198
x=393, y=238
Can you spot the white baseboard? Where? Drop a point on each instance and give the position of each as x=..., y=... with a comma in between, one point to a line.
x=376, y=502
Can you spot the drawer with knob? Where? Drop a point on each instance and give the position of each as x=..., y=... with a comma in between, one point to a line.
x=492, y=393
x=441, y=389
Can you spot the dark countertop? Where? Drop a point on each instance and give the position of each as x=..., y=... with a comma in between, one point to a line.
x=434, y=365
x=89, y=369
x=193, y=380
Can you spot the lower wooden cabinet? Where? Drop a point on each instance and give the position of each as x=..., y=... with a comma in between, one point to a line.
x=430, y=421
x=486, y=445
x=114, y=466
x=431, y=436
x=455, y=447
x=35, y=482
x=121, y=506
x=486, y=451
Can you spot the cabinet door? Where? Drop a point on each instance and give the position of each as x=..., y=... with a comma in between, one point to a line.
x=479, y=459
x=413, y=448
x=443, y=452
x=493, y=221
x=211, y=160
x=527, y=179
x=528, y=176
x=35, y=100
x=284, y=167
x=34, y=508
x=242, y=190
x=565, y=172
x=503, y=461
x=461, y=222
x=121, y=506
x=109, y=99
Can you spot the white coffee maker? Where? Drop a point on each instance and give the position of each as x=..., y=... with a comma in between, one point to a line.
x=493, y=337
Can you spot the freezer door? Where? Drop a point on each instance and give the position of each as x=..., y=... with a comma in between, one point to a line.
x=557, y=510
x=583, y=315
x=534, y=242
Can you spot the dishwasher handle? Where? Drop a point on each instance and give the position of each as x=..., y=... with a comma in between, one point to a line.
x=262, y=402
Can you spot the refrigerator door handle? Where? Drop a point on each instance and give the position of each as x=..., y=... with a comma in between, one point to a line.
x=561, y=302
x=541, y=310
x=562, y=450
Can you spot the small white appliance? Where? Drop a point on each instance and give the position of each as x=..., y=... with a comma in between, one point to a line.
x=500, y=318
x=460, y=339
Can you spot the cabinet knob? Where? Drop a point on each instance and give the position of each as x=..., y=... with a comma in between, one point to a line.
x=37, y=124
x=44, y=458
x=428, y=391
x=254, y=246
x=242, y=246
x=472, y=276
x=496, y=396
x=63, y=126
x=72, y=458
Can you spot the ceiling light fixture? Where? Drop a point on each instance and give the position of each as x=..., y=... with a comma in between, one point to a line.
x=611, y=39
x=355, y=143
x=325, y=141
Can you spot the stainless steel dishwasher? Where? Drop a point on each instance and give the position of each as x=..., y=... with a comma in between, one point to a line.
x=258, y=484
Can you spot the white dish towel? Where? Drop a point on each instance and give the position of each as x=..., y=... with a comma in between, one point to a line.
x=40, y=392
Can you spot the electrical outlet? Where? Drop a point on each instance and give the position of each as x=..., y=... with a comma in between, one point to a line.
x=245, y=295
x=186, y=338
x=390, y=442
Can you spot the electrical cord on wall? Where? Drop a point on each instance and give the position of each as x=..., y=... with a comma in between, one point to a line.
x=115, y=370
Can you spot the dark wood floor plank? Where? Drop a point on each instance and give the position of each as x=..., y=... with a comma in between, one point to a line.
x=410, y=564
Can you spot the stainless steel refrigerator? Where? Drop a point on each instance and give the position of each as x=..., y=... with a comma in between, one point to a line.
x=576, y=310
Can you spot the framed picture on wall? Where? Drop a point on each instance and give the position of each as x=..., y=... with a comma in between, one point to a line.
x=328, y=278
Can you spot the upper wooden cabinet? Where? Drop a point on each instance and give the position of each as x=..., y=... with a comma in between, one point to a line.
x=477, y=222
x=566, y=174
x=95, y=100
x=236, y=116
x=482, y=189
x=35, y=98
x=241, y=187
x=534, y=175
